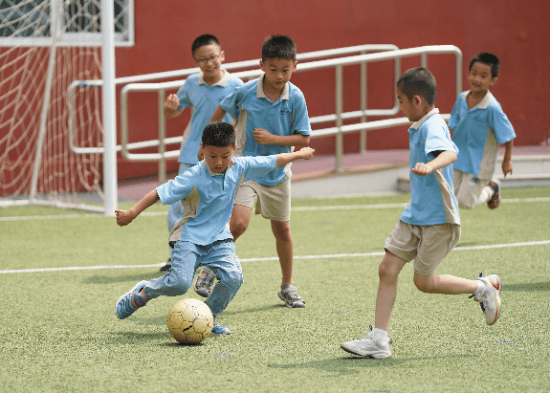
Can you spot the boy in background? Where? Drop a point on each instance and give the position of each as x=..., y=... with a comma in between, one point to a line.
x=478, y=126
x=202, y=239
x=202, y=92
x=272, y=118
x=429, y=227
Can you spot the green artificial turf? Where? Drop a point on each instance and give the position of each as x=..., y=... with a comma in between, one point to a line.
x=60, y=333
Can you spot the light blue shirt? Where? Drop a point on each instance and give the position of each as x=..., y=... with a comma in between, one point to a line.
x=287, y=116
x=433, y=199
x=215, y=193
x=204, y=100
x=478, y=132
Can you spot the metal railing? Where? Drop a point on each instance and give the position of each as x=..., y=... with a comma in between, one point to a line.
x=134, y=83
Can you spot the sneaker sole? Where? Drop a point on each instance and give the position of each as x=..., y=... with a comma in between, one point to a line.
x=497, y=284
x=141, y=283
x=371, y=355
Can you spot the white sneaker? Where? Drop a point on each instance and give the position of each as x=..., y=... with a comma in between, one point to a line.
x=489, y=298
x=369, y=347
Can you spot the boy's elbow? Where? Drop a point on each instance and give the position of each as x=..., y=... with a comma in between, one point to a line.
x=305, y=141
x=452, y=157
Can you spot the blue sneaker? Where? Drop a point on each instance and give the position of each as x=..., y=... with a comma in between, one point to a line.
x=128, y=303
x=219, y=330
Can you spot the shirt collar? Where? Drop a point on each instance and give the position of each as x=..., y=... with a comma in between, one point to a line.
x=222, y=82
x=485, y=101
x=260, y=89
x=416, y=125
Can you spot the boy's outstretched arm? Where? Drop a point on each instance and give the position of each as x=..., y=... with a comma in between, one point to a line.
x=443, y=159
x=304, y=153
x=264, y=137
x=124, y=217
x=218, y=115
x=507, y=159
x=170, y=107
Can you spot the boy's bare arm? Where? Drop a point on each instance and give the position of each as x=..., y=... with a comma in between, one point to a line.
x=218, y=115
x=304, y=153
x=452, y=132
x=443, y=159
x=124, y=217
x=170, y=108
x=264, y=137
x=507, y=159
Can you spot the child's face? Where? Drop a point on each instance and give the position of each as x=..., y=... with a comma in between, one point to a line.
x=480, y=77
x=277, y=72
x=409, y=107
x=209, y=59
x=218, y=158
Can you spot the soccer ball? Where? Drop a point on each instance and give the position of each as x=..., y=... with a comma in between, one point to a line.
x=190, y=321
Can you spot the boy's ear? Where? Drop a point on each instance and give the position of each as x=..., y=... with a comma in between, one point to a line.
x=261, y=65
x=222, y=56
x=202, y=146
x=495, y=79
x=417, y=101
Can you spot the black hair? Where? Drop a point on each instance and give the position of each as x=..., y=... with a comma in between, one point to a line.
x=218, y=134
x=205, y=39
x=279, y=47
x=487, y=59
x=418, y=81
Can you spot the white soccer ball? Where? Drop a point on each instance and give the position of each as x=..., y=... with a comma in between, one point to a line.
x=190, y=321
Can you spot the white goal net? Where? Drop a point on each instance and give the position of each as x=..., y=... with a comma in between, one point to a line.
x=51, y=135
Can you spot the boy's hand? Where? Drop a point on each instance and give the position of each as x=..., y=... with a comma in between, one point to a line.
x=263, y=137
x=507, y=167
x=172, y=102
x=124, y=217
x=422, y=169
x=306, y=153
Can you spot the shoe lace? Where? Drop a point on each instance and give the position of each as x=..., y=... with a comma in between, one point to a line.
x=292, y=295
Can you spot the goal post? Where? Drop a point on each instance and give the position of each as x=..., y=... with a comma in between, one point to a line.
x=46, y=48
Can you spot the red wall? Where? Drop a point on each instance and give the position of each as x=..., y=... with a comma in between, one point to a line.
x=515, y=30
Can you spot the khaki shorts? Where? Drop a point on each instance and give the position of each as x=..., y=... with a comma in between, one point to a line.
x=427, y=245
x=468, y=189
x=272, y=202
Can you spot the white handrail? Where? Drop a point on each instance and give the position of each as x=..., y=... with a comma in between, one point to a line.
x=338, y=63
x=228, y=66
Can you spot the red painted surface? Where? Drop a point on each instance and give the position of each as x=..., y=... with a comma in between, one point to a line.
x=515, y=30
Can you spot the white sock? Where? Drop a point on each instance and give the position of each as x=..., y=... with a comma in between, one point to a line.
x=379, y=333
x=480, y=287
x=486, y=194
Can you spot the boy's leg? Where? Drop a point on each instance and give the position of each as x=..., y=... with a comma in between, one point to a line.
x=388, y=273
x=468, y=190
x=221, y=259
x=175, y=213
x=240, y=219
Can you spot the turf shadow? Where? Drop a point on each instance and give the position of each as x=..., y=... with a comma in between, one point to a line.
x=129, y=278
x=350, y=364
x=527, y=287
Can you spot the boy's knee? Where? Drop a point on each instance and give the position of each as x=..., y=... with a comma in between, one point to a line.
x=233, y=279
x=424, y=283
x=237, y=227
x=178, y=285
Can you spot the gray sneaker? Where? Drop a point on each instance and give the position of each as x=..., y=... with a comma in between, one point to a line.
x=205, y=282
x=369, y=347
x=288, y=295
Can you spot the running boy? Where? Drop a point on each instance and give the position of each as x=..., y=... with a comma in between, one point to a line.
x=203, y=93
x=202, y=239
x=273, y=119
x=429, y=227
x=478, y=126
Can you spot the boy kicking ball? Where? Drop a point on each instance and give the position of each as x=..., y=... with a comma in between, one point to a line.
x=203, y=239
x=429, y=227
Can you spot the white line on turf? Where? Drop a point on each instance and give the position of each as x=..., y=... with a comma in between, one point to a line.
x=325, y=256
x=296, y=209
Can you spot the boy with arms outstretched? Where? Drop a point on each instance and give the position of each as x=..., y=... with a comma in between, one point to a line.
x=202, y=92
x=429, y=227
x=202, y=239
x=272, y=118
x=478, y=126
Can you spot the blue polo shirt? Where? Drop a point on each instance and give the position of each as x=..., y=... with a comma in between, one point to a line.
x=215, y=193
x=478, y=132
x=433, y=199
x=204, y=100
x=287, y=116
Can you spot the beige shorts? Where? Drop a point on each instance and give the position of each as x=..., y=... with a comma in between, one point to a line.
x=427, y=245
x=468, y=189
x=272, y=202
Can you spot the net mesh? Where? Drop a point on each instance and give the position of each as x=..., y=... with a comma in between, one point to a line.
x=47, y=117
